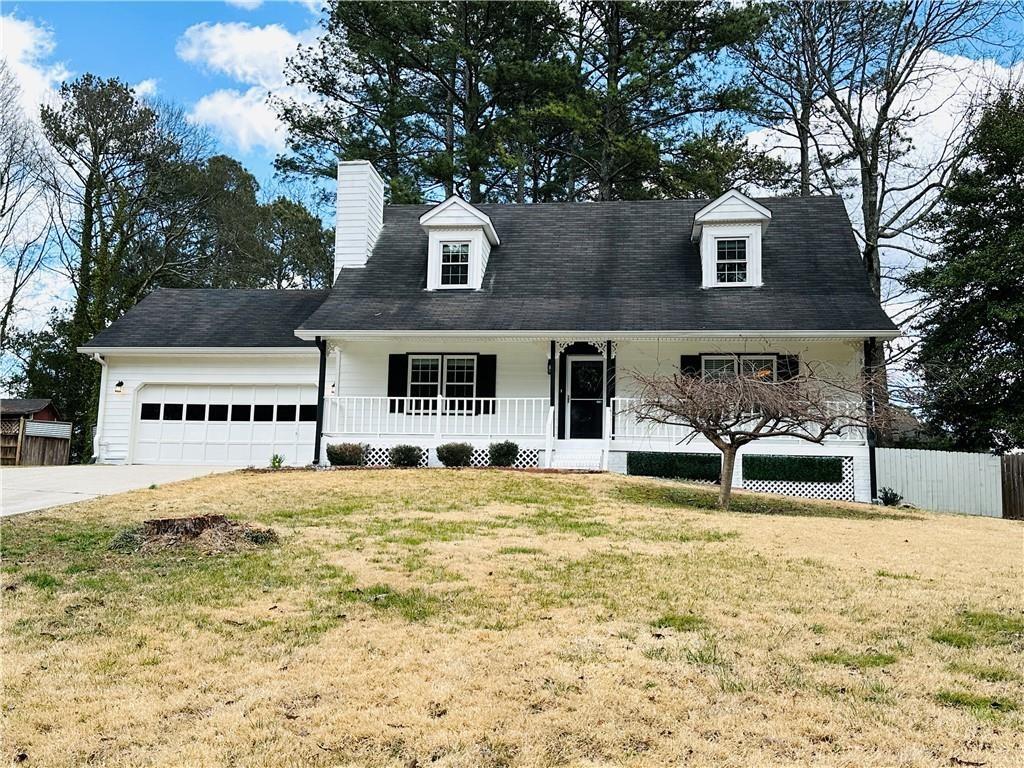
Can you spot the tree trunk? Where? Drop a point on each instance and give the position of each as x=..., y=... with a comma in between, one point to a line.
x=725, y=488
x=803, y=133
x=611, y=105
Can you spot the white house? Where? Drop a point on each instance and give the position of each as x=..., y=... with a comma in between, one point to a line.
x=455, y=322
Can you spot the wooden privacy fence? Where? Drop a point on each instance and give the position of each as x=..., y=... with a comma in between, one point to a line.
x=1013, y=486
x=945, y=481
x=31, y=443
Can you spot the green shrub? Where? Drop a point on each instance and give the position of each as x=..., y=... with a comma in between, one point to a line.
x=889, y=497
x=797, y=469
x=276, y=461
x=346, y=455
x=455, y=454
x=405, y=456
x=503, y=454
x=686, y=466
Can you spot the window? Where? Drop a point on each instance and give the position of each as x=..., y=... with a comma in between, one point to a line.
x=240, y=412
x=307, y=413
x=218, y=412
x=286, y=413
x=263, y=413
x=195, y=412
x=731, y=261
x=725, y=366
x=172, y=411
x=454, y=264
x=718, y=367
x=150, y=412
x=458, y=385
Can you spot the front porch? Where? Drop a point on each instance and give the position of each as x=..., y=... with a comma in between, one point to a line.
x=566, y=402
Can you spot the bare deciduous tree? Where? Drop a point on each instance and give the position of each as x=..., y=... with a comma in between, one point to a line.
x=734, y=411
x=25, y=222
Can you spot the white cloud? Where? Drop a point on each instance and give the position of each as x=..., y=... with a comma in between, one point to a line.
x=145, y=88
x=254, y=57
x=241, y=117
x=26, y=48
x=246, y=5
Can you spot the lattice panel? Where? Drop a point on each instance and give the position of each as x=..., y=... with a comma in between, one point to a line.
x=377, y=456
x=528, y=457
x=841, y=491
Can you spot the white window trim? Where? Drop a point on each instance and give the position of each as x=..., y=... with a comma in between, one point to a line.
x=746, y=259
x=440, y=264
x=477, y=257
x=738, y=362
x=710, y=236
x=442, y=382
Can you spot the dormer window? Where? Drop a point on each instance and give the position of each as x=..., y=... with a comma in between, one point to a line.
x=455, y=265
x=728, y=231
x=459, y=242
x=731, y=260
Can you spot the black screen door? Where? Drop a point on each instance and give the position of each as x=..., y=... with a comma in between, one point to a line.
x=586, y=398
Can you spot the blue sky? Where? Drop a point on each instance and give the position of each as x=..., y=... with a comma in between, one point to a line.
x=214, y=58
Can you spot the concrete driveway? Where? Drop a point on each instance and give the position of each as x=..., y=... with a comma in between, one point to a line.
x=24, y=489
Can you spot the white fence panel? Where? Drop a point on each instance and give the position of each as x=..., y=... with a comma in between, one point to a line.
x=945, y=481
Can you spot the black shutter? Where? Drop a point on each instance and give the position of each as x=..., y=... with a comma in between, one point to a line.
x=788, y=367
x=689, y=365
x=486, y=381
x=398, y=377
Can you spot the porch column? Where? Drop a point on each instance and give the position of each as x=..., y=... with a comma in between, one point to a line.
x=321, y=344
x=552, y=376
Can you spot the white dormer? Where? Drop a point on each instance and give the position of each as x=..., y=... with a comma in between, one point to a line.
x=460, y=241
x=729, y=231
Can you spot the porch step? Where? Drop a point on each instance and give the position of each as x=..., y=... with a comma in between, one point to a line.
x=576, y=458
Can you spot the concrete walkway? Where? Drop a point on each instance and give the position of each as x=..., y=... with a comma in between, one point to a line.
x=25, y=489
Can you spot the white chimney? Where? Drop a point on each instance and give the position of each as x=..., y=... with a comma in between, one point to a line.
x=360, y=214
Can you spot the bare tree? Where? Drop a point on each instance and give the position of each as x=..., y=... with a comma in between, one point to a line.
x=734, y=411
x=876, y=61
x=25, y=222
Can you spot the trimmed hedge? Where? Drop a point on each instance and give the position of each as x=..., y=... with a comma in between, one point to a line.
x=797, y=469
x=503, y=454
x=686, y=466
x=405, y=456
x=346, y=454
x=455, y=454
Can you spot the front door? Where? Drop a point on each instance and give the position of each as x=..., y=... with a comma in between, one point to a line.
x=585, y=396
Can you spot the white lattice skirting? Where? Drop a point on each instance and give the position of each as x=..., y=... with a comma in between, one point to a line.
x=841, y=491
x=377, y=456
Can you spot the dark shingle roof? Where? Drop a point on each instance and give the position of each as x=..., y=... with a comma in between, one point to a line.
x=615, y=266
x=202, y=317
x=13, y=406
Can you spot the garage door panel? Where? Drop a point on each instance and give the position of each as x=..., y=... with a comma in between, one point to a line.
x=195, y=438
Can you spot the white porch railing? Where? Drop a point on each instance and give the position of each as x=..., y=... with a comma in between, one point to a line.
x=628, y=428
x=490, y=417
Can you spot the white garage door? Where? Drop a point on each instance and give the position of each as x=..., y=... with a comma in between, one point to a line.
x=224, y=424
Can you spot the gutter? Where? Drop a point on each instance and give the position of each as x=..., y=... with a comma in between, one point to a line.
x=310, y=335
x=101, y=408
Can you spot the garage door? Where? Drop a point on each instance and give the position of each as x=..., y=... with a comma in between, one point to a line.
x=229, y=424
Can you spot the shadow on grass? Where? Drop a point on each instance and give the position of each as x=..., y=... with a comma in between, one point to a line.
x=658, y=495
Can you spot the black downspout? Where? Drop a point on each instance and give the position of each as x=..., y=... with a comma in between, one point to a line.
x=869, y=349
x=321, y=385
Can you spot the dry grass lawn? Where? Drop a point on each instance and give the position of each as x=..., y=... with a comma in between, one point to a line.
x=485, y=618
